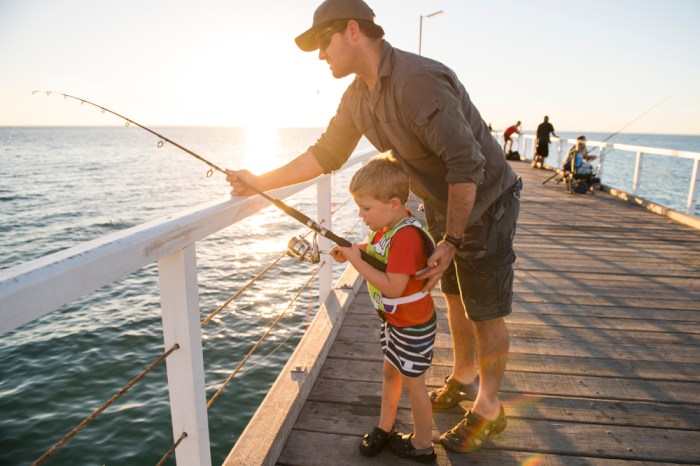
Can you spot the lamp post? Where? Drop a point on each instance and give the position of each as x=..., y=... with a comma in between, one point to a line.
x=420, y=30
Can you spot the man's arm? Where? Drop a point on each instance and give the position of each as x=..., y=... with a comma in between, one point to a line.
x=460, y=203
x=302, y=168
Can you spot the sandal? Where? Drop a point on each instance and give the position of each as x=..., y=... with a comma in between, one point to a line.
x=402, y=447
x=375, y=441
x=452, y=393
x=469, y=435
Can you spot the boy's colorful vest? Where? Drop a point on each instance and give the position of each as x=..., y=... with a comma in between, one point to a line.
x=380, y=250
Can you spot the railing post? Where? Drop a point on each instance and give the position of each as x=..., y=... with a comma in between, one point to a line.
x=185, y=367
x=601, y=158
x=325, y=218
x=637, y=173
x=521, y=146
x=560, y=151
x=694, y=188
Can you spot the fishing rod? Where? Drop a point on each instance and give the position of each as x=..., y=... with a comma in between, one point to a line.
x=292, y=212
x=640, y=116
x=625, y=126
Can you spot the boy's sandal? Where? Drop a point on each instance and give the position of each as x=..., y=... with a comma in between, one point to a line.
x=471, y=433
x=372, y=443
x=401, y=446
x=453, y=392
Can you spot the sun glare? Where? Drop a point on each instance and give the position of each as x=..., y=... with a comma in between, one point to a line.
x=261, y=148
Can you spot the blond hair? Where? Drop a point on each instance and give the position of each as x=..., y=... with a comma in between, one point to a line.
x=383, y=178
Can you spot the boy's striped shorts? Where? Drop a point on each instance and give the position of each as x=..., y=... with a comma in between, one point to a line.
x=409, y=349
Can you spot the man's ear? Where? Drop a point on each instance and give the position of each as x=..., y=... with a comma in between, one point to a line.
x=354, y=28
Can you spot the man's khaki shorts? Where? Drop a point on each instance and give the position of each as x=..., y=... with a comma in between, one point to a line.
x=482, y=270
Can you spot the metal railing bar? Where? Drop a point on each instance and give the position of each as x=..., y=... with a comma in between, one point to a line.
x=172, y=449
x=267, y=332
x=245, y=287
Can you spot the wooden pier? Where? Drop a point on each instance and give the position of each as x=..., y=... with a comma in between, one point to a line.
x=604, y=363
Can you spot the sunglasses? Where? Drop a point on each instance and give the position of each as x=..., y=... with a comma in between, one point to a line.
x=323, y=40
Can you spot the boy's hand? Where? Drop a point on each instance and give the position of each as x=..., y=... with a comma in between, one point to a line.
x=337, y=254
x=352, y=253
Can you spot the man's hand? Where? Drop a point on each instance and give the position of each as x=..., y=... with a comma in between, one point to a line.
x=238, y=188
x=437, y=264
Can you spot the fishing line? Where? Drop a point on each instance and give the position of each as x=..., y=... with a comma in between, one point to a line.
x=10, y=136
x=292, y=212
x=640, y=116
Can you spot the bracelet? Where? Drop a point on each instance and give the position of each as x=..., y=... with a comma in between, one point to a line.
x=456, y=242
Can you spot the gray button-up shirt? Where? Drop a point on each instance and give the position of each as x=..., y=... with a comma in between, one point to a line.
x=422, y=113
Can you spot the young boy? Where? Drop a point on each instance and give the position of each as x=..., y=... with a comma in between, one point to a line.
x=380, y=190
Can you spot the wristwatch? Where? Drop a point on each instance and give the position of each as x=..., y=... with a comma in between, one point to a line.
x=456, y=242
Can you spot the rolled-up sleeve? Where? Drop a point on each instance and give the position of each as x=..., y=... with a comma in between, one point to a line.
x=337, y=143
x=434, y=109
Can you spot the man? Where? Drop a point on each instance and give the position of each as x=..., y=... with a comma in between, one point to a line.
x=508, y=134
x=544, y=129
x=418, y=109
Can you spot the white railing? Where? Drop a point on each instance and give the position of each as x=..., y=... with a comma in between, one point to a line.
x=36, y=288
x=640, y=151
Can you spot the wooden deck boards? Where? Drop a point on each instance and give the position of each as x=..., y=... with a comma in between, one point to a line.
x=604, y=364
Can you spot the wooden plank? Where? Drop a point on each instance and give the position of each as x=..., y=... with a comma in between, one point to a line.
x=552, y=348
x=609, y=290
x=553, y=384
x=555, y=365
x=524, y=435
x=602, y=323
x=298, y=453
x=546, y=276
x=584, y=335
x=321, y=409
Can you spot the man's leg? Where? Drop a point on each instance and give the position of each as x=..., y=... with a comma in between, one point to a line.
x=462, y=332
x=492, y=342
x=487, y=417
x=486, y=285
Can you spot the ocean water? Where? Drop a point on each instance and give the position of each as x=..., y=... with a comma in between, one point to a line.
x=60, y=187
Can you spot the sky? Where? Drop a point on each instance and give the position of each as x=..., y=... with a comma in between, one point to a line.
x=593, y=65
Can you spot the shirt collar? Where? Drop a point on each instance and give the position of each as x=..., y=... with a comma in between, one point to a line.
x=386, y=67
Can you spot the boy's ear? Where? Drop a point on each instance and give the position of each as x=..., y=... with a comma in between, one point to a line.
x=395, y=202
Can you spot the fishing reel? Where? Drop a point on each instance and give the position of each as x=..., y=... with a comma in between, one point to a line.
x=304, y=250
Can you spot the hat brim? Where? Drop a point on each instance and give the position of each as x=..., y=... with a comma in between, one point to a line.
x=307, y=40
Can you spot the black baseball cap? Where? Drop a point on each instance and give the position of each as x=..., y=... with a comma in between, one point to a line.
x=331, y=10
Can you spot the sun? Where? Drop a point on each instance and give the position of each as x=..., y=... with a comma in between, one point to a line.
x=261, y=147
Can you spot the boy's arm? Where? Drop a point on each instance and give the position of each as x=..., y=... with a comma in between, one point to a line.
x=390, y=284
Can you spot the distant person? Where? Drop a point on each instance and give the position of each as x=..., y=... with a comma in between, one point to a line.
x=544, y=129
x=507, y=134
x=408, y=327
x=578, y=165
x=579, y=156
x=490, y=128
